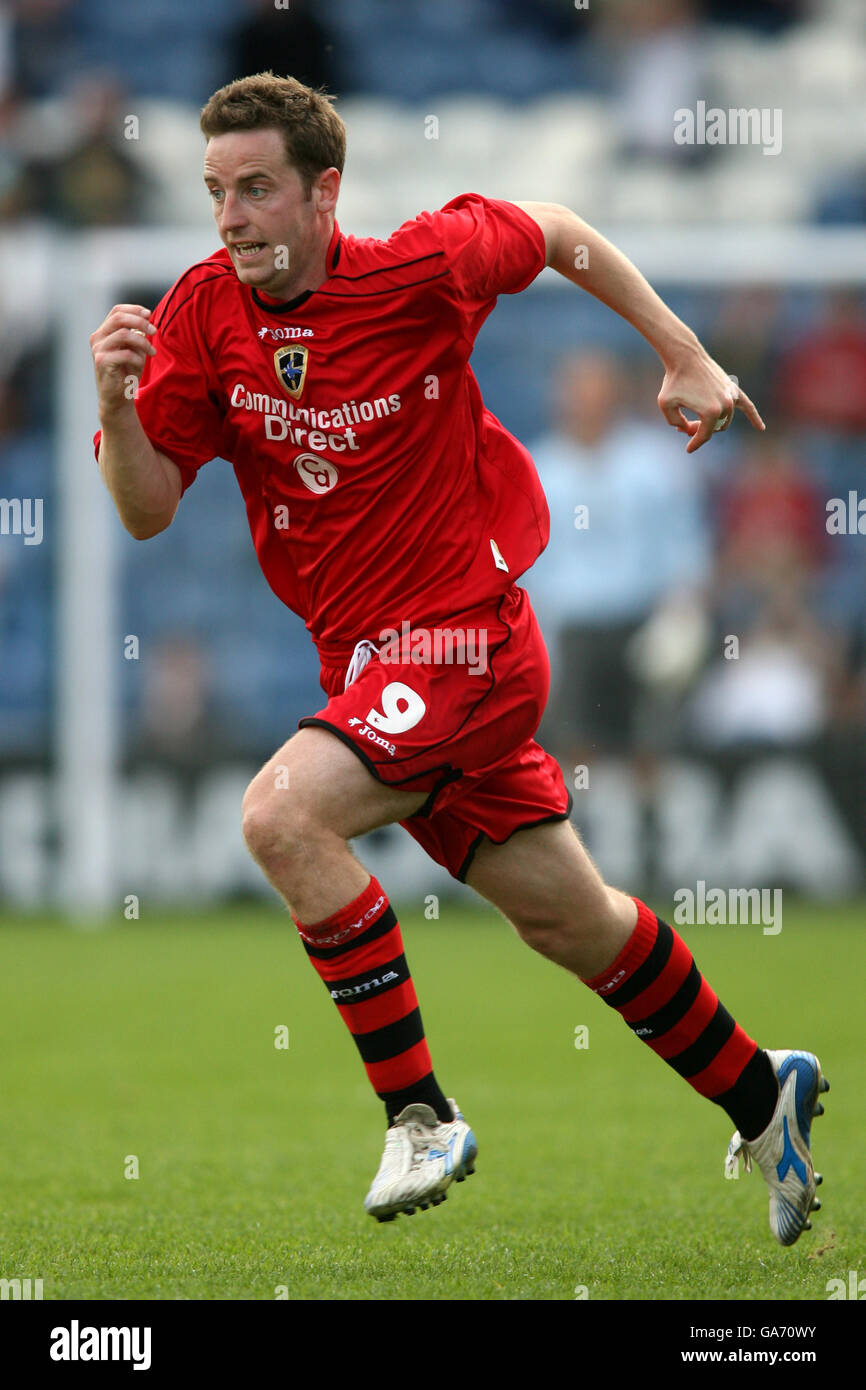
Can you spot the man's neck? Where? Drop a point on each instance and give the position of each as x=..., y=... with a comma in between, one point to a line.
x=308, y=276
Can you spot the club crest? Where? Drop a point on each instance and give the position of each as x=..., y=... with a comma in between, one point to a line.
x=291, y=368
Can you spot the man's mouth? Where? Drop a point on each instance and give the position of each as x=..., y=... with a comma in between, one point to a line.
x=245, y=250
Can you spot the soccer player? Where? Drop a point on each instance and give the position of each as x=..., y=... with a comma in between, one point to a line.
x=395, y=514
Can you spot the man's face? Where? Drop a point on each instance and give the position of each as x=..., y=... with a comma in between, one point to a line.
x=260, y=207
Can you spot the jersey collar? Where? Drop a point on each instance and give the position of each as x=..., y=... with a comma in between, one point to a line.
x=331, y=258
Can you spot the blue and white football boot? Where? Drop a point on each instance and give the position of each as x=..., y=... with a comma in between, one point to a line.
x=782, y=1152
x=422, y=1158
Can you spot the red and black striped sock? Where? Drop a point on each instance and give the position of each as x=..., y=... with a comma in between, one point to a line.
x=358, y=952
x=656, y=986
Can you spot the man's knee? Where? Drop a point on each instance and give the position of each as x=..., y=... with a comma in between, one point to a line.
x=275, y=825
x=545, y=936
x=548, y=932
x=315, y=789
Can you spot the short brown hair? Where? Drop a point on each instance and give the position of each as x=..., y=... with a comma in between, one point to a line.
x=313, y=134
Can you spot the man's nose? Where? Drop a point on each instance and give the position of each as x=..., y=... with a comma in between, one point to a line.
x=232, y=212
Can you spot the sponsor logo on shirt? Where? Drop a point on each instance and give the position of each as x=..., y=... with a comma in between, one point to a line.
x=279, y=335
x=290, y=364
x=316, y=473
x=314, y=427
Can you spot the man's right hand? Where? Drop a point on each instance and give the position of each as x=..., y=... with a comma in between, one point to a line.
x=146, y=485
x=120, y=348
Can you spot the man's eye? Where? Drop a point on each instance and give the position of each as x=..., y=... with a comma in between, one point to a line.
x=254, y=189
x=215, y=193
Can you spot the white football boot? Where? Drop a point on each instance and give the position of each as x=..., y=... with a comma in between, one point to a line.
x=422, y=1158
x=782, y=1152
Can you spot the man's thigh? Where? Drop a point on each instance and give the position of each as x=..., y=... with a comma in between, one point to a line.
x=541, y=876
x=545, y=883
x=316, y=779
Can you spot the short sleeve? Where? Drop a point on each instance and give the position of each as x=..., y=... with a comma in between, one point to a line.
x=493, y=247
x=177, y=397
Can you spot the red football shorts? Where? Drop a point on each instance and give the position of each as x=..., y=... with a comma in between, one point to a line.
x=451, y=711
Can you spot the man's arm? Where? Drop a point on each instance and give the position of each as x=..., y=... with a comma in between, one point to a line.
x=692, y=381
x=144, y=483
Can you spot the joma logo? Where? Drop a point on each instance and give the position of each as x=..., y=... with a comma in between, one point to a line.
x=373, y=983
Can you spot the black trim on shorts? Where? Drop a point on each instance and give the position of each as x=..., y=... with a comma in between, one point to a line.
x=526, y=825
x=450, y=774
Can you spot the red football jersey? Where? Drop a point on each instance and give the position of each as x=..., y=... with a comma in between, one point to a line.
x=378, y=486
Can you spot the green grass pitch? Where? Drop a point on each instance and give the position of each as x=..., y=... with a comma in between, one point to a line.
x=599, y=1169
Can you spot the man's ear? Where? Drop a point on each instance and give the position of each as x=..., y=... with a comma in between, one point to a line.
x=326, y=190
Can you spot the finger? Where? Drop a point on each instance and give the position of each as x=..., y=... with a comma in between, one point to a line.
x=706, y=427
x=750, y=411
x=122, y=353
x=130, y=309
x=673, y=414
x=127, y=338
x=136, y=321
x=110, y=334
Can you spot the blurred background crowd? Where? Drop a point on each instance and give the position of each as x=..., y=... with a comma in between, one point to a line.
x=656, y=559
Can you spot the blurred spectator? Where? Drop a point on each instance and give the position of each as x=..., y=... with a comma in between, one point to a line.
x=92, y=180
x=291, y=41
x=775, y=689
x=822, y=380
x=44, y=45
x=744, y=338
x=771, y=522
x=627, y=536
x=662, y=49
x=176, y=723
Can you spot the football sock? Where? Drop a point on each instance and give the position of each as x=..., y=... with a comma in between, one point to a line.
x=656, y=986
x=358, y=952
